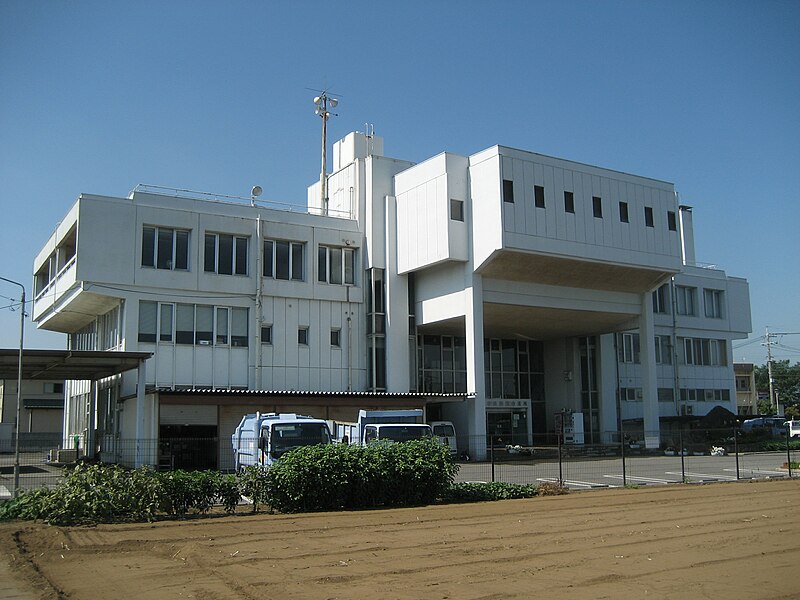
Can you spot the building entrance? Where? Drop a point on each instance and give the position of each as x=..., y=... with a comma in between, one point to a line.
x=507, y=427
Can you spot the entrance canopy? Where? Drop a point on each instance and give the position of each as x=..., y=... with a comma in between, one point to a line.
x=68, y=364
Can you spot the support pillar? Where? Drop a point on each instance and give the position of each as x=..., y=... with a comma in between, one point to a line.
x=652, y=434
x=140, y=388
x=476, y=381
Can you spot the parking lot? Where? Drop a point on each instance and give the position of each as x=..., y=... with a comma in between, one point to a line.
x=588, y=473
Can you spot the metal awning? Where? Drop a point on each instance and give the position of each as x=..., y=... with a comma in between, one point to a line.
x=61, y=365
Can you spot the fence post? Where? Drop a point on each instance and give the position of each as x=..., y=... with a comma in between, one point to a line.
x=736, y=449
x=622, y=450
x=683, y=462
x=560, y=472
x=491, y=454
x=788, y=452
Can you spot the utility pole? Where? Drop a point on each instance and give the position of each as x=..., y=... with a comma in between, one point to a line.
x=768, y=344
x=323, y=102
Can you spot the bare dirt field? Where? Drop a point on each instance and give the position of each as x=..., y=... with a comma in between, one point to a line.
x=733, y=540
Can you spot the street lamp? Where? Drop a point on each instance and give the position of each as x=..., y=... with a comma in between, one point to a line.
x=19, y=382
x=323, y=103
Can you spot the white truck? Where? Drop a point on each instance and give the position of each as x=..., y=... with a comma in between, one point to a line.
x=446, y=432
x=392, y=425
x=262, y=438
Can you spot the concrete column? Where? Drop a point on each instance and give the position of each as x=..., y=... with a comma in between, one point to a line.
x=397, y=377
x=140, y=416
x=647, y=353
x=476, y=383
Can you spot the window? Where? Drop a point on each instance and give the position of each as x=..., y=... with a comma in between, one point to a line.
x=225, y=254
x=456, y=210
x=302, y=336
x=223, y=320
x=663, y=350
x=336, y=265
x=184, y=324
x=660, y=305
x=623, y=212
x=283, y=260
x=648, y=216
x=336, y=338
x=597, y=206
x=148, y=314
x=569, y=202
x=704, y=352
x=165, y=325
x=712, y=299
x=508, y=190
x=165, y=248
x=629, y=348
x=686, y=300
x=266, y=334
x=538, y=196
x=671, y=221
x=239, y=335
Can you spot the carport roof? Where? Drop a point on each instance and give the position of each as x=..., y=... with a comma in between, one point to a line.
x=68, y=364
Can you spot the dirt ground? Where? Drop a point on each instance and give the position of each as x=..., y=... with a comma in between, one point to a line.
x=732, y=540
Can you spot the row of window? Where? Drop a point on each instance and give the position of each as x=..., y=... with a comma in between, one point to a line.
x=695, y=351
x=597, y=206
x=686, y=301
x=303, y=336
x=629, y=394
x=192, y=324
x=227, y=254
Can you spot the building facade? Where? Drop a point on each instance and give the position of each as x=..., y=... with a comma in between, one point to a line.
x=498, y=291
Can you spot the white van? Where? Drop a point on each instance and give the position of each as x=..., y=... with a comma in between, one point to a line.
x=446, y=432
x=794, y=428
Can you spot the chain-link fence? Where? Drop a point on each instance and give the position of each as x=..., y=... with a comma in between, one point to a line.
x=690, y=456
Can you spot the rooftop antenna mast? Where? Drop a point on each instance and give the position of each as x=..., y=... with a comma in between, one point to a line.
x=323, y=103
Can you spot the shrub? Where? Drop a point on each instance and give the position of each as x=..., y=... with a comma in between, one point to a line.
x=185, y=490
x=486, y=492
x=252, y=484
x=339, y=476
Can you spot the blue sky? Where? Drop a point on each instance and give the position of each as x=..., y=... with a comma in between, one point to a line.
x=97, y=96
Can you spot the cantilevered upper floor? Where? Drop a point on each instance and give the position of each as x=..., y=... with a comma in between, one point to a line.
x=521, y=216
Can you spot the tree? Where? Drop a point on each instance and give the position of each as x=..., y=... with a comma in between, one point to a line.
x=786, y=382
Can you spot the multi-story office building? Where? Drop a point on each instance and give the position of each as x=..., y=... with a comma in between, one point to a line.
x=496, y=290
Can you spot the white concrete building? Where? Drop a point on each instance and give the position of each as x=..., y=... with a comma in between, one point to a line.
x=527, y=284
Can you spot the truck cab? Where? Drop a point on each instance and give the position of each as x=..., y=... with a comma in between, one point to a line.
x=263, y=438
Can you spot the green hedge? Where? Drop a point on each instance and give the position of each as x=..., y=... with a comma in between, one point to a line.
x=315, y=478
x=347, y=477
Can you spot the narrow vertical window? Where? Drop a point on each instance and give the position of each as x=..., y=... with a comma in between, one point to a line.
x=336, y=338
x=266, y=334
x=623, y=212
x=671, y=221
x=508, y=191
x=302, y=336
x=267, y=269
x=648, y=216
x=221, y=336
x=569, y=202
x=456, y=210
x=210, y=253
x=165, y=325
x=148, y=247
x=538, y=196
x=204, y=326
x=239, y=327
x=597, y=207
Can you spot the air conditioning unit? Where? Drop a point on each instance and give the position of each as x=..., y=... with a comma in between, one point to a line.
x=686, y=410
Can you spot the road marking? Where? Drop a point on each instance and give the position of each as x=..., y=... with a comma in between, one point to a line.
x=766, y=471
x=642, y=479
x=588, y=484
x=703, y=475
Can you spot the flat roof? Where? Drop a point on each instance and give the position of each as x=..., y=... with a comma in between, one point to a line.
x=68, y=364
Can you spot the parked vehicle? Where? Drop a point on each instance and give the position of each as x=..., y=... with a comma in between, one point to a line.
x=794, y=428
x=262, y=438
x=774, y=426
x=446, y=432
x=391, y=425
